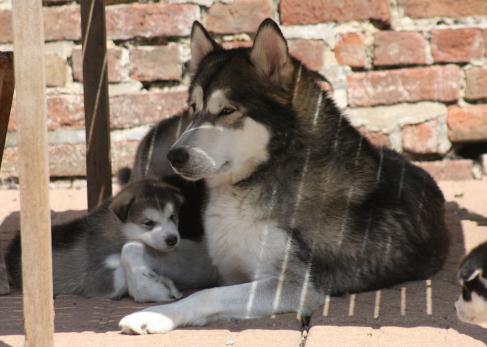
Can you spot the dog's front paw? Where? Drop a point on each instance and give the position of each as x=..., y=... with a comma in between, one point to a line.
x=145, y=322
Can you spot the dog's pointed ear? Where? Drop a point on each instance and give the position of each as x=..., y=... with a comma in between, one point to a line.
x=270, y=53
x=201, y=45
x=121, y=204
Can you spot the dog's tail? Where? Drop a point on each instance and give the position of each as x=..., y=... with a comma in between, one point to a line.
x=123, y=176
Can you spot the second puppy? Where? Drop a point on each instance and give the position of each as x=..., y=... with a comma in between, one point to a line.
x=114, y=250
x=471, y=306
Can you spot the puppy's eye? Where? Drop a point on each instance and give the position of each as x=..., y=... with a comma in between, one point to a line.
x=173, y=218
x=226, y=111
x=148, y=224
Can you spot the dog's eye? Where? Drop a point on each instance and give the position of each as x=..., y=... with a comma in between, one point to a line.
x=173, y=218
x=148, y=224
x=226, y=111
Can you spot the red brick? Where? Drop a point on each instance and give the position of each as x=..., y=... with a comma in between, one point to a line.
x=56, y=2
x=116, y=71
x=296, y=12
x=153, y=63
x=467, y=124
x=350, y=50
x=118, y=2
x=236, y=44
x=68, y=159
x=399, y=48
x=150, y=20
x=422, y=138
x=56, y=70
x=456, y=45
x=448, y=170
x=440, y=83
x=63, y=110
x=238, y=16
x=443, y=8
x=145, y=108
x=5, y=26
x=476, y=83
x=126, y=111
x=310, y=52
x=376, y=138
x=60, y=23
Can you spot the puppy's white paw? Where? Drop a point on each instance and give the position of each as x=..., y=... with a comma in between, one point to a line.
x=144, y=322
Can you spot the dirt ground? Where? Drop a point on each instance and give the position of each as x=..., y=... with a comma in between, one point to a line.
x=414, y=314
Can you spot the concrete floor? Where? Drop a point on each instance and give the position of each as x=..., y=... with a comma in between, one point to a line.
x=414, y=314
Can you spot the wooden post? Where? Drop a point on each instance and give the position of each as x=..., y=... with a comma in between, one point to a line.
x=6, y=95
x=95, y=84
x=35, y=221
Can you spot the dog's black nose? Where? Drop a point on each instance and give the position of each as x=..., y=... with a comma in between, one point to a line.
x=178, y=157
x=171, y=240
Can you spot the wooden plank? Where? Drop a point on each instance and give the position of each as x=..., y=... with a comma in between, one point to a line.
x=95, y=84
x=6, y=95
x=32, y=166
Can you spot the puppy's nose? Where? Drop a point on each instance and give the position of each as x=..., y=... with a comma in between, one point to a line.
x=171, y=240
x=178, y=157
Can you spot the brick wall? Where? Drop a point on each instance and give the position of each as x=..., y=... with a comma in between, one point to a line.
x=410, y=74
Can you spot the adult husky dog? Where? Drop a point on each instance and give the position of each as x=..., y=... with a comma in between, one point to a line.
x=299, y=204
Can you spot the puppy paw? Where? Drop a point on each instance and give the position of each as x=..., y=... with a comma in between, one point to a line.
x=175, y=293
x=153, y=288
x=144, y=322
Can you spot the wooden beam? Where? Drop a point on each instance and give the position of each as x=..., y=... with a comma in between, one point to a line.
x=97, y=114
x=32, y=166
x=6, y=95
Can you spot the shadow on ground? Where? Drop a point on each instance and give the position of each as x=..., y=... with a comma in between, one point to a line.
x=415, y=304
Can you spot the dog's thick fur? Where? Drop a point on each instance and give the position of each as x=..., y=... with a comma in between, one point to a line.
x=120, y=247
x=471, y=306
x=299, y=204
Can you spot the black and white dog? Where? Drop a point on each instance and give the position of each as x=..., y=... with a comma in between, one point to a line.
x=472, y=304
x=299, y=205
x=130, y=245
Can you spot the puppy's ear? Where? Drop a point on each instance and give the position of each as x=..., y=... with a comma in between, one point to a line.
x=177, y=193
x=121, y=204
x=469, y=274
x=201, y=45
x=270, y=55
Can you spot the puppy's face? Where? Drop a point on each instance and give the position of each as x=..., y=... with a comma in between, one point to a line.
x=471, y=306
x=149, y=211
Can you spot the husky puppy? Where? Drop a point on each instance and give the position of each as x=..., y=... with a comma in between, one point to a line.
x=299, y=204
x=118, y=248
x=471, y=306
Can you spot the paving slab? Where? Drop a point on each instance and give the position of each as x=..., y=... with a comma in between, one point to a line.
x=414, y=314
x=93, y=322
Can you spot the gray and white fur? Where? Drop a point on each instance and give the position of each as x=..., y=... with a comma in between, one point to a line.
x=299, y=205
x=125, y=246
x=471, y=306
